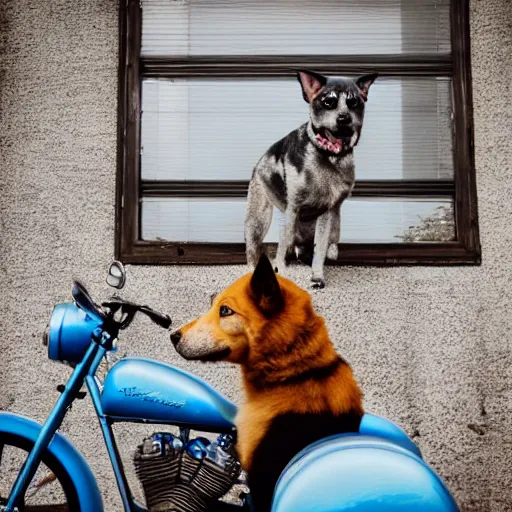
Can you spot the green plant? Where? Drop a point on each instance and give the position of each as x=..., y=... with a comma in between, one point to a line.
x=438, y=227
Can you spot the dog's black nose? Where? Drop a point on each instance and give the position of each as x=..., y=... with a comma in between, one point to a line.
x=343, y=119
x=175, y=337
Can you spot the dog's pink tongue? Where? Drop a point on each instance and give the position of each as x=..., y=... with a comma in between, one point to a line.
x=334, y=144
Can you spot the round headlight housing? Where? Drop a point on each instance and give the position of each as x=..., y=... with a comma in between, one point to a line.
x=69, y=333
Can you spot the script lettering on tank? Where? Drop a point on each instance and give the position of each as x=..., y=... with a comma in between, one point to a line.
x=150, y=396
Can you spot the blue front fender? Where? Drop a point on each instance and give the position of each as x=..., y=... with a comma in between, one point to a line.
x=79, y=472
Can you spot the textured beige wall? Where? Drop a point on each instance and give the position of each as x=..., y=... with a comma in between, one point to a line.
x=430, y=346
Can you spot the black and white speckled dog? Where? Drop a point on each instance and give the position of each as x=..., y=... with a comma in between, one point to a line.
x=308, y=174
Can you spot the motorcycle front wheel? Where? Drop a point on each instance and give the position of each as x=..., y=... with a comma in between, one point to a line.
x=51, y=489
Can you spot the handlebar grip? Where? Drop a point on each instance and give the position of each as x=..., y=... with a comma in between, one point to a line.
x=159, y=318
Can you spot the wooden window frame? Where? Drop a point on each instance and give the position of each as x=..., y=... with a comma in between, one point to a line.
x=129, y=187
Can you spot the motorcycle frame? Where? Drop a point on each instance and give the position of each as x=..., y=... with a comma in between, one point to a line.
x=84, y=372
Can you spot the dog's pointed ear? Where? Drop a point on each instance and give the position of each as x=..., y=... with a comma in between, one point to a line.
x=312, y=83
x=264, y=288
x=364, y=82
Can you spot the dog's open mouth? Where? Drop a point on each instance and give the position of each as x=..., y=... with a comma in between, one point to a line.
x=333, y=141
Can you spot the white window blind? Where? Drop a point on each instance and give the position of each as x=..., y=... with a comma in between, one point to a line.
x=372, y=221
x=299, y=27
x=218, y=129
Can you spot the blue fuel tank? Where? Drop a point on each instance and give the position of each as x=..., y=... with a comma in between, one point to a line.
x=148, y=390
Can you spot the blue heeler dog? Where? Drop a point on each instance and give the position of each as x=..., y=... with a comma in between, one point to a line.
x=308, y=174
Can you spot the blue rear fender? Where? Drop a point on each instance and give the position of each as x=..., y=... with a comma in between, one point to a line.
x=362, y=473
x=79, y=472
x=372, y=425
x=377, y=469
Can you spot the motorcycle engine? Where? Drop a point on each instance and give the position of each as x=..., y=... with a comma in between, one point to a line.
x=178, y=476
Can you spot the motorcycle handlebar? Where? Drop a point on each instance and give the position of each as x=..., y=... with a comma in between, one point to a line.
x=129, y=309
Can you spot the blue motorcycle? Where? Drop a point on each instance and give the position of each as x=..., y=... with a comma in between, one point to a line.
x=377, y=469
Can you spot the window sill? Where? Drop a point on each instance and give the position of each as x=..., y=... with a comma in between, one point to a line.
x=425, y=254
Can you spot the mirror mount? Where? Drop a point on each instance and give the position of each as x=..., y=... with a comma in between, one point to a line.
x=116, y=276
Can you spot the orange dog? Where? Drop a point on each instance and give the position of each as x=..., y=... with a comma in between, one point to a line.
x=298, y=389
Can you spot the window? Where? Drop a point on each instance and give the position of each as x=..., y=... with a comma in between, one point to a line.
x=207, y=86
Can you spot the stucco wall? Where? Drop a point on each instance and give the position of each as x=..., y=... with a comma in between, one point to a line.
x=430, y=346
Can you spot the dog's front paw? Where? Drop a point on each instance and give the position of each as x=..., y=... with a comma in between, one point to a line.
x=332, y=252
x=317, y=283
